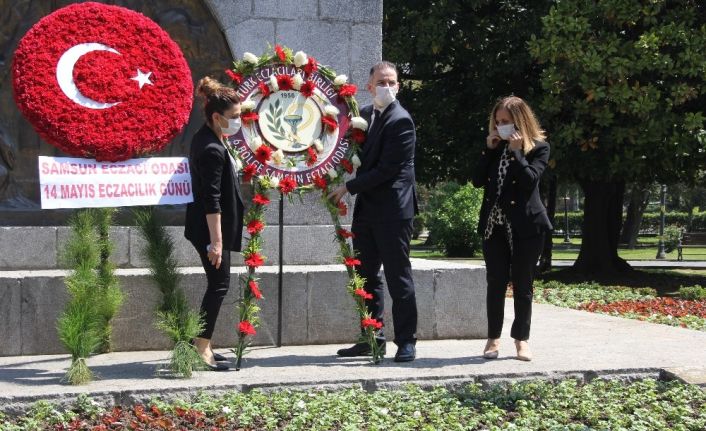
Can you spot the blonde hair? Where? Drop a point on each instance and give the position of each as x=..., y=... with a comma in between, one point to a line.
x=524, y=119
x=216, y=96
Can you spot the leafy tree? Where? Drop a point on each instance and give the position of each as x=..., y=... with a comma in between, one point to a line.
x=624, y=89
x=456, y=58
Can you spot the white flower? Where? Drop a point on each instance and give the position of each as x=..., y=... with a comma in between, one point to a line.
x=331, y=110
x=355, y=161
x=278, y=156
x=359, y=123
x=384, y=411
x=340, y=80
x=250, y=58
x=300, y=59
x=301, y=404
x=273, y=83
x=238, y=165
x=297, y=81
x=332, y=173
x=319, y=146
x=248, y=105
x=417, y=414
x=255, y=143
x=226, y=410
x=274, y=181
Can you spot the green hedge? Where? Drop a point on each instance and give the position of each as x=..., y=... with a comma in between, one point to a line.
x=650, y=221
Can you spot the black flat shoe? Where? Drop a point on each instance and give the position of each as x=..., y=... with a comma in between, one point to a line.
x=360, y=349
x=406, y=353
x=218, y=357
x=217, y=367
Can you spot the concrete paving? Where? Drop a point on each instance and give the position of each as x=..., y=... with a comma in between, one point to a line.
x=565, y=342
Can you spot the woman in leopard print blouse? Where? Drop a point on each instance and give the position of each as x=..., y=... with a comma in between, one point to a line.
x=513, y=220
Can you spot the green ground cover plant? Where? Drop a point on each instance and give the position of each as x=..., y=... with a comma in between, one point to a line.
x=536, y=405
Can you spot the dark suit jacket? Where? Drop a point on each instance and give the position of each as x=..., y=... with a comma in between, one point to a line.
x=520, y=199
x=216, y=190
x=385, y=182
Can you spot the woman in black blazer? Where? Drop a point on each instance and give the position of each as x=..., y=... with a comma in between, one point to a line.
x=214, y=220
x=513, y=220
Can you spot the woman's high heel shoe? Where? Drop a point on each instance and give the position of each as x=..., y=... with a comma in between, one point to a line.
x=523, y=351
x=491, y=349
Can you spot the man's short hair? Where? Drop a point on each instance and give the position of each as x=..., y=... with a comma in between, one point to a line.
x=382, y=65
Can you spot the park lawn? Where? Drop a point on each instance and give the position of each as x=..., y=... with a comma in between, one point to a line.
x=530, y=405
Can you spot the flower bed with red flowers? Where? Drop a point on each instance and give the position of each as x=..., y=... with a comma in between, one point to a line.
x=641, y=304
x=147, y=114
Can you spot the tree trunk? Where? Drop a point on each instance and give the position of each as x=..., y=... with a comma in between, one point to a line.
x=549, y=198
x=602, y=220
x=639, y=198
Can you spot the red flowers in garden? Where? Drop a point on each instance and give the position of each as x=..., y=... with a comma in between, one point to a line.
x=255, y=227
x=351, y=261
x=307, y=89
x=254, y=260
x=369, y=322
x=246, y=328
x=263, y=153
x=260, y=199
x=287, y=185
x=255, y=289
x=664, y=306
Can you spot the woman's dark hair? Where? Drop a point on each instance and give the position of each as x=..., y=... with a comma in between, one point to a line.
x=216, y=97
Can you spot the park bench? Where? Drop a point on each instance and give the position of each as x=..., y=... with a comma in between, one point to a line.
x=690, y=240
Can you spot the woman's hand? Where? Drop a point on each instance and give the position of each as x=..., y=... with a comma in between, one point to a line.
x=215, y=254
x=492, y=140
x=516, y=141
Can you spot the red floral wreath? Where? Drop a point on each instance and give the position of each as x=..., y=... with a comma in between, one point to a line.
x=148, y=115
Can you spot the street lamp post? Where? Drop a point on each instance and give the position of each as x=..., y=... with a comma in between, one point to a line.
x=663, y=203
x=567, y=240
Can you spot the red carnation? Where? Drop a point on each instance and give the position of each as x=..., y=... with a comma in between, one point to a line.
x=263, y=153
x=246, y=328
x=351, y=261
x=249, y=171
x=311, y=156
x=311, y=66
x=255, y=289
x=342, y=209
x=348, y=166
x=280, y=53
x=236, y=77
x=347, y=90
x=255, y=227
x=287, y=185
x=320, y=182
x=358, y=136
x=343, y=233
x=329, y=123
x=249, y=117
x=307, y=89
x=264, y=89
x=363, y=294
x=254, y=260
x=368, y=322
x=284, y=82
x=260, y=199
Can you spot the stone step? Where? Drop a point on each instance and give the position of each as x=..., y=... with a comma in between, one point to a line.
x=316, y=309
x=42, y=246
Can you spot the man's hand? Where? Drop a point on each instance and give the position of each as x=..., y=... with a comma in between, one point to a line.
x=516, y=141
x=336, y=195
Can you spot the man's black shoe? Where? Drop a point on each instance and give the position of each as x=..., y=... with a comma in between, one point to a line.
x=360, y=349
x=406, y=353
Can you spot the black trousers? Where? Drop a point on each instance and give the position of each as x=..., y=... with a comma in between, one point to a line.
x=387, y=244
x=502, y=267
x=216, y=290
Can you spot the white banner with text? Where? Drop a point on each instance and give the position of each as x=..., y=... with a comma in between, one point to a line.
x=83, y=183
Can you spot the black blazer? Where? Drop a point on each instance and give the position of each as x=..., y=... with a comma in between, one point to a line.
x=216, y=190
x=385, y=182
x=520, y=199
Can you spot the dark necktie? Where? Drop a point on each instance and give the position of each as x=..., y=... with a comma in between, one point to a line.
x=375, y=117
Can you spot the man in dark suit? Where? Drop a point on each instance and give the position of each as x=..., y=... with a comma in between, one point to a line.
x=385, y=207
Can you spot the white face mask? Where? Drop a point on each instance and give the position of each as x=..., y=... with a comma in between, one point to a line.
x=384, y=96
x=232, y=128
x=506, y=130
